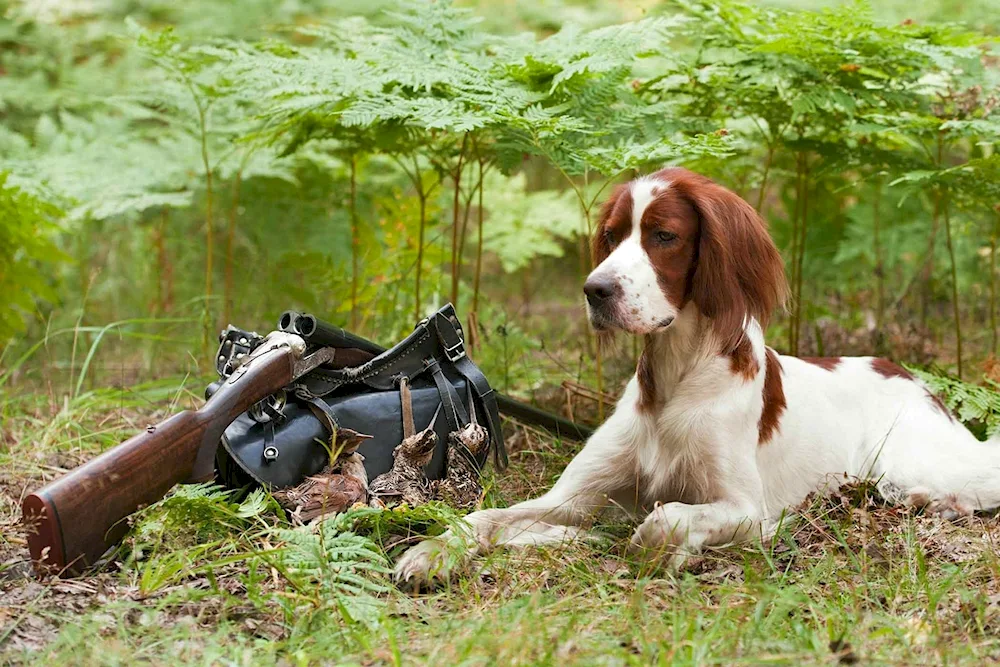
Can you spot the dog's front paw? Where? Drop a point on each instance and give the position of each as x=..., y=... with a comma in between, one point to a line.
x=422, y=566
x=665, y=535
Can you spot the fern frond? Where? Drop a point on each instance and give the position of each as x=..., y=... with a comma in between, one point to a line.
x=978, y=406
x=349, y=569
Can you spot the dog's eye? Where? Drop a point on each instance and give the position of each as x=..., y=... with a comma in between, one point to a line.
x=609, y=238
x=666, y=238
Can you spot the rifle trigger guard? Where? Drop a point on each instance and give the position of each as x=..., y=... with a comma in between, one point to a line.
x=269, y=409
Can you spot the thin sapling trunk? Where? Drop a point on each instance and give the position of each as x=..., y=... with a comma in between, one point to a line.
x=474, y=315
x=763, y=182
x=879, y=266
x=954, y=286
x=793, y=317
x=928, y=269
x=355, y=243
x=209, y=236
x=455, y=207
x=416, y=177
x=993, y=284
x=420, y=250
x=803, y=226
x=230, y=238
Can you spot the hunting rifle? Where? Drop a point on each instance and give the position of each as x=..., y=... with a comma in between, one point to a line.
x=73, y=521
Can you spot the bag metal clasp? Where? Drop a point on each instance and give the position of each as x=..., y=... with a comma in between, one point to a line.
x=455, y=352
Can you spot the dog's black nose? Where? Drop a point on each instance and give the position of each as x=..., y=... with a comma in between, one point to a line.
x=599, y=290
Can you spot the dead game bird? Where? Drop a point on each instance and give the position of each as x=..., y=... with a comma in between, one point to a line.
x=346, y=441
x=332, y=491
x=336, y=489
x=406, y=482
x=461, y=488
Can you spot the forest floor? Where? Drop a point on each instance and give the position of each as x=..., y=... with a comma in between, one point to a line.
x=847, y=579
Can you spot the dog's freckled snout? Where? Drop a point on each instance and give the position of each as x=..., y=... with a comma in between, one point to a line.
x=600, y=289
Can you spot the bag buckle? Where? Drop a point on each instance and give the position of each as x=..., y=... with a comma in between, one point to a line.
x=455, y=352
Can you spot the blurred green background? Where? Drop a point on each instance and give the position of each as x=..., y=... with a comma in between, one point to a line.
x=170, y=167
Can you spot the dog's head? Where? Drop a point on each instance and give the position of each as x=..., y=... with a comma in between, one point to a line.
x=675, y=238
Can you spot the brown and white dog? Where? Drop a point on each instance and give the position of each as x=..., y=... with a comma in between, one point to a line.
x=717, y=435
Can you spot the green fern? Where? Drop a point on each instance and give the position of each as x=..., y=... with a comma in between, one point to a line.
x=392, y=530
x=976, y=405
x=198, y=528
x=349, y=570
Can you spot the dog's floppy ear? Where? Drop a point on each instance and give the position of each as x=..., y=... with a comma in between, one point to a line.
x=739, y=272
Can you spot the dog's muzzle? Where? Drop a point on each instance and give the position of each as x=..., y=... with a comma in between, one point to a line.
x=601, y=291
x=602, y=295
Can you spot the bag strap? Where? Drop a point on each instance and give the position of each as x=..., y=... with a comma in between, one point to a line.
x=451, y=341
x=327, y=417
x=454, y=410
x=406, y=407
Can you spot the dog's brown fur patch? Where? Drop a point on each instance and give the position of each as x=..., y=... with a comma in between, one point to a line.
x=774, y=398
x=826, y=363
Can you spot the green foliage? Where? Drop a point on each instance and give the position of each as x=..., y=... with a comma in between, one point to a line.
x=386, y=526
x=339, y=157
x=524, y=225
x=976, y=405
x=509, y=354
x=203, y=530
x=340, y=571
x=193, y=514
x=27, y=254
x=196, y=529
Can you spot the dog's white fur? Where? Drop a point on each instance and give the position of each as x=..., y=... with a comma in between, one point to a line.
x=694, y=466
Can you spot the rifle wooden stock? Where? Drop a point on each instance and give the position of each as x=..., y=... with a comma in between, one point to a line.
x=73, y=521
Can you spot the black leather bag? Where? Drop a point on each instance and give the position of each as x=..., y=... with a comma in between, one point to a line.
x=426, y=374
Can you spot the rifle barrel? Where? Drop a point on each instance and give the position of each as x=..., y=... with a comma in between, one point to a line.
x=317, y=332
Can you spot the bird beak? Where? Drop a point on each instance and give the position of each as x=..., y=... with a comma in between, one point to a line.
x=435, y=417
